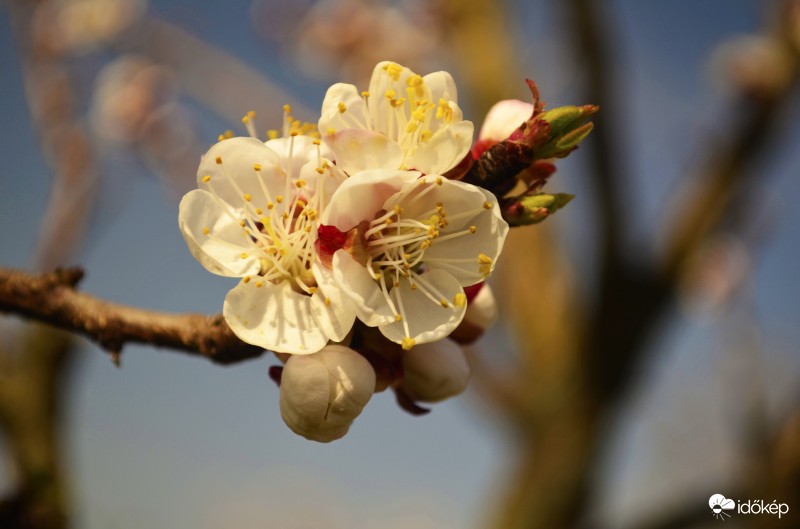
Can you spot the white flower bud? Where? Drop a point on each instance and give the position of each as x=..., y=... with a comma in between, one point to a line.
x=322, y=393
x=434, y=371
x=504, y=118
x=482, y=309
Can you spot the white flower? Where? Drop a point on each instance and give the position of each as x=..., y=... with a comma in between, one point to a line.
x=504, y=118
x=255, y=216
x=322, y=393
x=482, y=309
x=404, y=121
x=435, y=371
x=420, y=240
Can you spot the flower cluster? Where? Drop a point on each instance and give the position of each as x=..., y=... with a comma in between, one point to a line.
x=355, y=224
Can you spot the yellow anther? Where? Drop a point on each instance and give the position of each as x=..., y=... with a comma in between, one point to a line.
x=248, y=197
x=330, y=131
x=412, y=126
x=393, y=70
x=413, y=286
x=365, y=93
x=294, y=133
x=218, y=159
x=243, y=255
x=397, y=102
x=312, y=290
x=259, y=284
x=228, y=134
x=272, y=134
x=317, y=142
x=439, y=180
x=445, y=111
x=444, y=303
x=460, y=300
x=424, y=245
x=342, y=107
x=246, y=279
x=487, y=205
x=398, y=317
x=279, y=199
x=259, y=211
x=264, y=220
x=220, y=137
x=425, y=135
x=473, y=229
x=206, y=231
x=408, y=343
x=484, y=259
x=397, y=209
x=320, y=170
x=270, y=205
x=287, y=109
x=242, y=223
x=327, y=302
x=285, y=215
x=256, y=166
x=206, y=179
x=307, y=229
x=300, y=184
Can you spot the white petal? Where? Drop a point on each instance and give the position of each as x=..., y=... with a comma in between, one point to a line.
x=427, y=320
x=455, y=196
x=354, y=280
x=299, y=150
x=220, y=251
x=362, y=149
x=273, y=316
x=236, y=174
x=488, y=239
x=435, y=371
x=336, y=317
x=442, y=86
x=379, y=108
x=305, y=390
x=362, y=195
x=444, y=150
x=504, y=118
x=355, y=115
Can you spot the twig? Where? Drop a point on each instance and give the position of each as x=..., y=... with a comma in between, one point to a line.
x=52, y=299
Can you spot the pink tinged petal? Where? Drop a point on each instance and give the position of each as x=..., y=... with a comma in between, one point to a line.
x=427, y=320
x=273, y=316
x=355, y=282
x=221, y=250
x=504, y=118
x=362, y=195
x=362, y=149
x=231, y=165
x=435, y=371
x=482, y=310
x=355, y=113
x=444, y=150
x=334, y=312
x=459, y=256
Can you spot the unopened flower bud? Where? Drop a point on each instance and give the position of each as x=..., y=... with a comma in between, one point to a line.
x=480, y=315
x=434, y=371
x=322, y=393
x=533, y=209
x=567, y=128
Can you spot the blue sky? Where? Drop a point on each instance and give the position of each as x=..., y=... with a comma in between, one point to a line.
x=171, y=441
